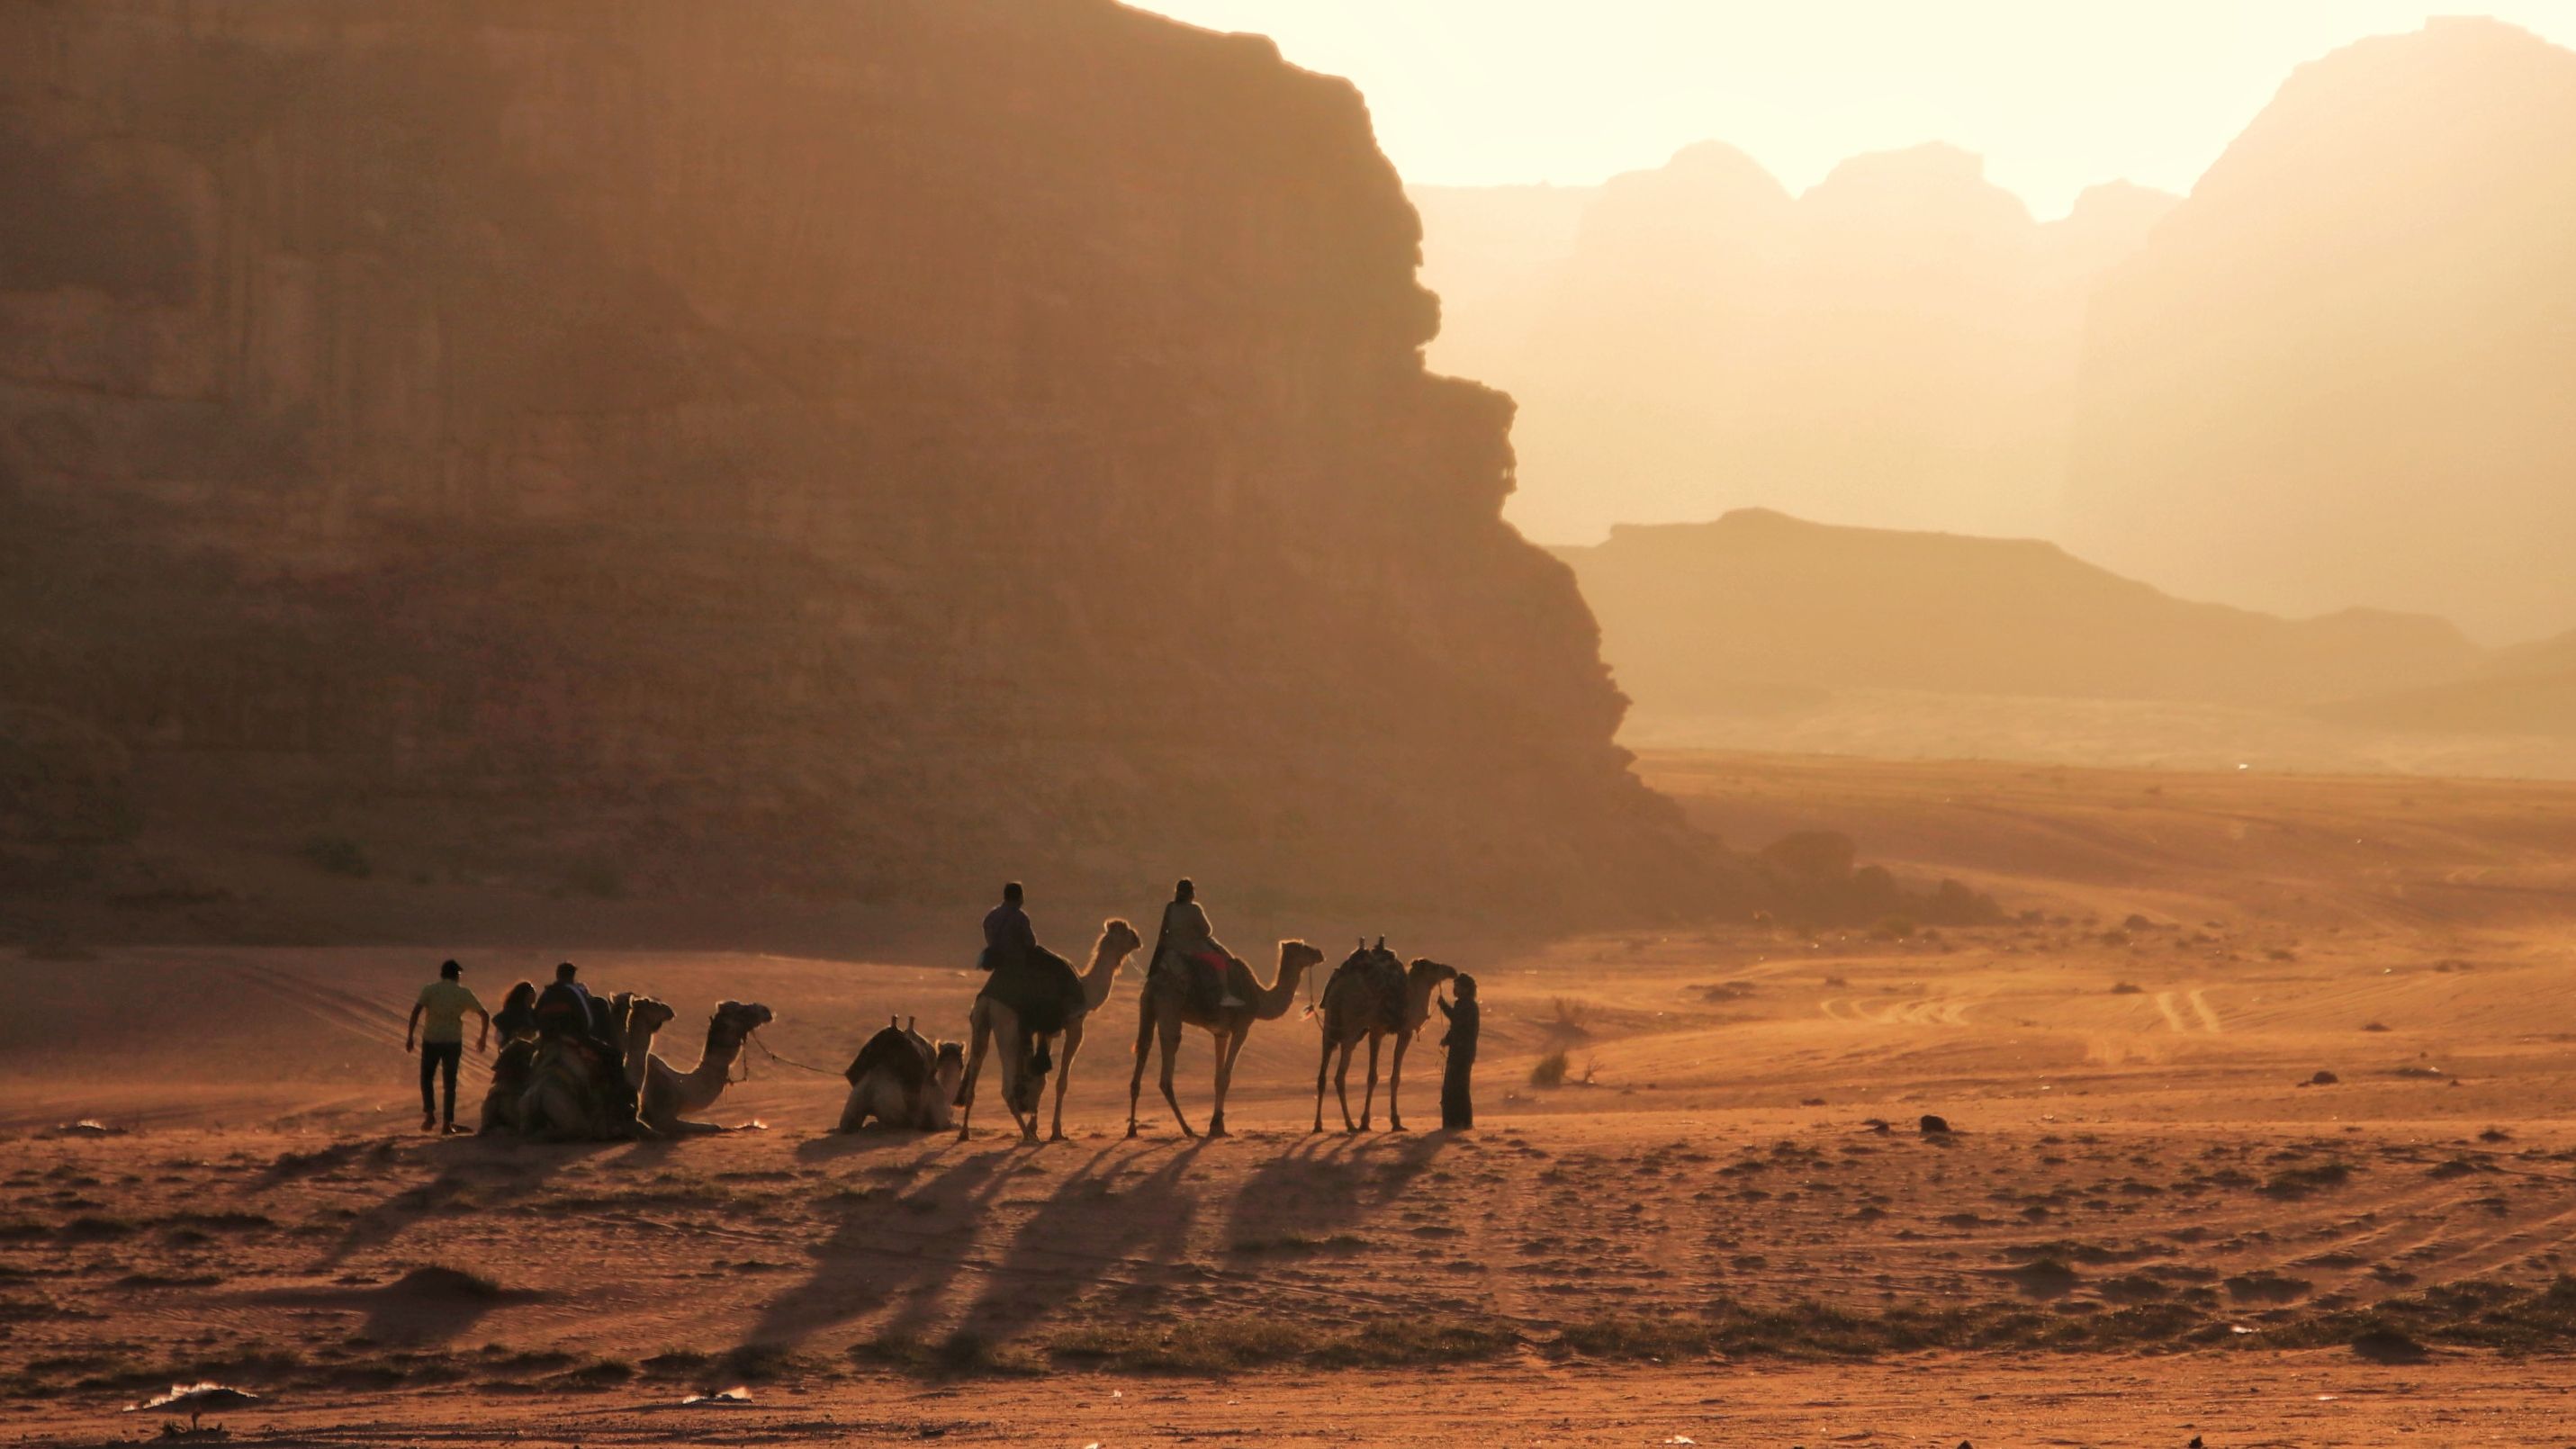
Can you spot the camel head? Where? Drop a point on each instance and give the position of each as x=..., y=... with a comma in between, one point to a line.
x=1118, y=940
x=645, y=1015
x=1298, y=956
x=735, y=1020
x=1421, y=979
x=949, y=1067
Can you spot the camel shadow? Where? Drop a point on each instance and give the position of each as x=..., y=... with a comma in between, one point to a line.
x=476, y=1177
x=1323, y=1183
x=1092, y=1234
x=868, y=1141
x=428, y=1305
x=889, y=1246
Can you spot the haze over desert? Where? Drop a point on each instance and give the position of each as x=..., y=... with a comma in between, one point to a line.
x=1020, y=721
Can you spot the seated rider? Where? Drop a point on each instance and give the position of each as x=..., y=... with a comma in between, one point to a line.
x=1190, y=943
x=518, y=1014
x=1009, y=939
x=566, y=1011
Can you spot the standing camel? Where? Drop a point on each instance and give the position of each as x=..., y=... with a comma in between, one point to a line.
x=996, y=1022
x=1169, y=1005
x=1372, y=996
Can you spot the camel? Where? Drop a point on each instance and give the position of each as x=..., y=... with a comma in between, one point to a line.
x=1371, y=996
x=900, y=1079
x=564, y=1096
x=1169, y=1004
x=511, y=1069
x=665, y=1092
x=1023, y=1051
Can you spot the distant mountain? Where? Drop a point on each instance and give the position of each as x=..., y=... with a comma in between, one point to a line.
x=2529, y=690
x=1758, y=608
x=1895, y=346
x=2345, y=369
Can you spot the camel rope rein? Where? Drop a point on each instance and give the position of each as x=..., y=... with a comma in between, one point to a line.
x=754, y=1039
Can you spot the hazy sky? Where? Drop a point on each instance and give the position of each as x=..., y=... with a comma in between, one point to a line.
x=2057, y=94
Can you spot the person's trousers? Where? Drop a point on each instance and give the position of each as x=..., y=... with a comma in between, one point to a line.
x=441, y=1057
x=1457, y=1108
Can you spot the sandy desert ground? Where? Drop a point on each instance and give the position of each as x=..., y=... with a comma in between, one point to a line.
x=2148, y=1226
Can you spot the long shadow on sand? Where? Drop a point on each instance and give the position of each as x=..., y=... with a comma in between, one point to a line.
x=473, y=1176
x=1090, y=1234
x=1320, y=1184
x=902, y=1248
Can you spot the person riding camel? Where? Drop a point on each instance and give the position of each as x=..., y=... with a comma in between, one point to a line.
x=1033, y=981
x=1190, y=944
x=567, y=1014
x=565, y=1008
x=1009, y=939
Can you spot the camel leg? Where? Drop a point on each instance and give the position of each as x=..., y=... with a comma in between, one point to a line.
x=1170, y=1035
x=1342, y=1085
x=982, y=1032
x=1368, y=1099
x=1064, y=1073
x=1144, y=1042
x=1227, y=1048
x=1323, y=1064
x=1013, y=1047
x=1395, y=1083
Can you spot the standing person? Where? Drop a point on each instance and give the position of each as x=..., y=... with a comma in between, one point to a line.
x=1191, y=944
x=444, y=1003
x=1466, y=1022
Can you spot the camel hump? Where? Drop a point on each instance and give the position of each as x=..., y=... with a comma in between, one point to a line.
x=894, y=1050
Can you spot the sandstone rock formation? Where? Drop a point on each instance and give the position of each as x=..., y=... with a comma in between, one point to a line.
x=856, y=450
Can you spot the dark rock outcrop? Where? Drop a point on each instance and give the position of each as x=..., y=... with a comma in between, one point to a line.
x=857, y=450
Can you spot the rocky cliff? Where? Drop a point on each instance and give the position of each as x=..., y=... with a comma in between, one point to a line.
x=841, y=449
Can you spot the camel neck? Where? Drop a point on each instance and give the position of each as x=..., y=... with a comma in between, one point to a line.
x=1271, y=1002
x=1101, y=975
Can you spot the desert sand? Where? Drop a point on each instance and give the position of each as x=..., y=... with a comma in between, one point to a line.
x=1726, y=1229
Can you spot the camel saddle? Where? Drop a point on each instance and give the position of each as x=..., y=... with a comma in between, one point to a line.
x=1379, y=976
x=1041, y=989
x=1206, y=977
x=896, y=1050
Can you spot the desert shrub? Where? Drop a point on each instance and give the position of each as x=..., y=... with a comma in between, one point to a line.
x=1570, y=1016
x=2128, y=988
x=1550, y=1070
x=1893, y=928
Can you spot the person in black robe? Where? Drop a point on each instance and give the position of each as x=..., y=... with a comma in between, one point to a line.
x=1466, y=1022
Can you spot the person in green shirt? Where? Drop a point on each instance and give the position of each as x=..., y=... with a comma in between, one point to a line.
x=438, y=1022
